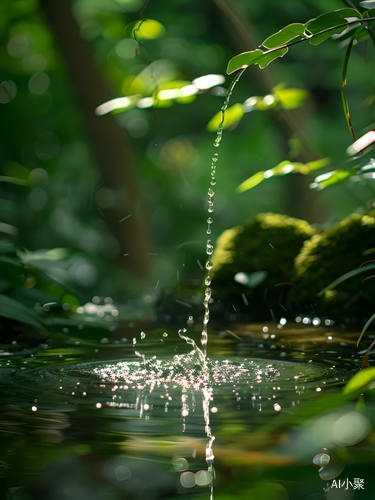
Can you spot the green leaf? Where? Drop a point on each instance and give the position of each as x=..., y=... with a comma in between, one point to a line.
x=344, y=100
x=12, y=309
x=232, y=115
x=346, y=276
x=360, y=380
x=362, y=143
x=12, y=272
x=331, y=19
x=367, y=171
x=283, y=168
x=13, y=180
x=179, y=90
x=316, y=164
x=243, y=60
x=148, y=29
x=117, y=105
x=284, y=35
x=364, y=329
x=328, y=21
x=251, y=182
x=290, y=98
x=317, y=40
x=331, y=178
x=270, y=56
x=367, y=4
x=208, y=81
x=362, y=32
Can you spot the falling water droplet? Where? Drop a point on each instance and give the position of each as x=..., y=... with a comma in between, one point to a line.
x=207, y=392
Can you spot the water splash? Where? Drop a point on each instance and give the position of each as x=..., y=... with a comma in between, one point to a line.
x=210, y=218
x=207, y=393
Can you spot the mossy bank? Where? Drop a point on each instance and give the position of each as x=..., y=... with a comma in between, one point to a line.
x=253, y=265
x=275, y=266
x=328, y=256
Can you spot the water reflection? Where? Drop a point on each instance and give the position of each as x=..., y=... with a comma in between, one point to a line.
x=144, y=425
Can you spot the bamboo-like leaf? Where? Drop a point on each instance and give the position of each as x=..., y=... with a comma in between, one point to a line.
x=13, y=180
x=331, y=178
x=346, y=276
x=367, y=171
x=364, y=329
x=117, y=105
x=283, y=168
x=316, y=164
x=12, y=309
x=367, y=4
x=284, y=35
x=362, y=143
x=344, y=100
x=251, y=182
x=360, y=380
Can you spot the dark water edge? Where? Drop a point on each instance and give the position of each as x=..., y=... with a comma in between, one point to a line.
x=65, y=436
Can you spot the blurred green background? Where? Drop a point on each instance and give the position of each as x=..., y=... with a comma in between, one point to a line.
x=126, y=193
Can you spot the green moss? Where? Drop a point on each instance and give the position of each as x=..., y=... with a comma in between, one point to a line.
x=270, y=243
x=328, y=256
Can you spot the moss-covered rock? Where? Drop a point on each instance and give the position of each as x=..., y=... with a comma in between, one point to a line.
x=328, y=256
x=269, y=244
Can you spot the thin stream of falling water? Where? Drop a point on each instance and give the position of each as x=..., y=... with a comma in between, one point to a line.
x=210, y=218
x=207, y=391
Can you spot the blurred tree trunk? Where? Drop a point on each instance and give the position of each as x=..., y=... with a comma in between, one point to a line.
x=301, y=201
x=110, y=143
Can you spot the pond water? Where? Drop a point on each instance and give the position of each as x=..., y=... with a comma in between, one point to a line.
x=136, y=416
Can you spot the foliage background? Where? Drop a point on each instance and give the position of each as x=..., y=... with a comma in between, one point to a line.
x=45, y=142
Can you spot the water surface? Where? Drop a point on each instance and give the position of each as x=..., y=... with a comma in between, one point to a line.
x=134, y=416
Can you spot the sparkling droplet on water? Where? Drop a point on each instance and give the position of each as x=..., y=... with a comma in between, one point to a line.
x=202, y=353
